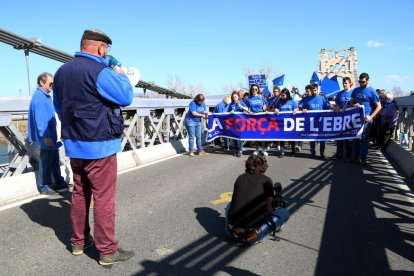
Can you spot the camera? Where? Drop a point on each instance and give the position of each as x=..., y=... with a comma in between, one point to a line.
x=277, y=200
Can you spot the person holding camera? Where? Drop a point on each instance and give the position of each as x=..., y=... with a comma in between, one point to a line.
x=255, y=209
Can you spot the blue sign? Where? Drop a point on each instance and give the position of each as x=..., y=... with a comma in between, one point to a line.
x=310, y=126
x=260, y=80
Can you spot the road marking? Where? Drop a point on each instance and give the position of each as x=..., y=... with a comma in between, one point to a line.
x=224, y=197
x=21, y=202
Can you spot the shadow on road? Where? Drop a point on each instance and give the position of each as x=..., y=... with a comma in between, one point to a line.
x=367, y=221
x=54, y=213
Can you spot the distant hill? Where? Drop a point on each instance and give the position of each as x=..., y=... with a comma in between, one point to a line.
x=216, y=97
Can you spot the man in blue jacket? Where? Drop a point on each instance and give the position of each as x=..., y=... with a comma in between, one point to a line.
x=89, y=91
x=42, y=131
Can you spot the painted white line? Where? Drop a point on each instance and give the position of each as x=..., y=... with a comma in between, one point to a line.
x=150, y=163
x=21, y=202
x=18, y=203
x=403, y=186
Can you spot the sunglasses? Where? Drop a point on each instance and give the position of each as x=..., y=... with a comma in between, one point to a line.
x=362, y=82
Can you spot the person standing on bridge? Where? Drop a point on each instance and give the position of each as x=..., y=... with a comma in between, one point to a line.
x=286, y=104
x=365, y=97
x=223, y=107
x=256, y=104
x=344, y=147
x=197, y=110
x=316, y=102
x=42, y=130
x=237, y=105
x=89, y=91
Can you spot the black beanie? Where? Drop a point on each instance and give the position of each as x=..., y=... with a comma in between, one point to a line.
x=96, y=35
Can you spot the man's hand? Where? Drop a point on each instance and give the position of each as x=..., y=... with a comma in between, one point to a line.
x=48, y=142
x=277, y=112
x=113, y=62
x=368, y=118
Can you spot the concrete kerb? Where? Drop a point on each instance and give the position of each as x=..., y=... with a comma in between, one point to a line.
x=23, y=186
x=402, y=157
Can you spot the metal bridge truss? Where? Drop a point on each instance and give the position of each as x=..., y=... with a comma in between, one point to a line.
x=148, y=122
x=35, y=46
x=25, y=153
x=405, y=120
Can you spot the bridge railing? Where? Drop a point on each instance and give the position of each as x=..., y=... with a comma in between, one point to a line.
x=148, y=122
x=405, y=125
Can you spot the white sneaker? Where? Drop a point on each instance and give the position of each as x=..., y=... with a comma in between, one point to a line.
x=256, y=152
x=278, y=148
x=265, y=153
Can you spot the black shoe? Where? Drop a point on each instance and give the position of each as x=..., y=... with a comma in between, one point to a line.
x=313, y=156
x=119, y=256
x=363, y=161
x=322, y=156
x=293, y=154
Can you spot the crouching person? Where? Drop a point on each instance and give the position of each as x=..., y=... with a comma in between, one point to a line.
x=251, y=216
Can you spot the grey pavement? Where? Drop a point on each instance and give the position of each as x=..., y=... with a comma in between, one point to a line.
x=346, y=219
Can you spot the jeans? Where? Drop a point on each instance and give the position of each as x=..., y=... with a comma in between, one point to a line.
x=313, y=146
x=282, y=146
x=280, y=216
x=238, y=144
x=48, y=166
x=194, y=130
x=97, y=177
x=344, y=148
x=360, y=146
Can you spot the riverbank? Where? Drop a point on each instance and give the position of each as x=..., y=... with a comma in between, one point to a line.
x=21, y=126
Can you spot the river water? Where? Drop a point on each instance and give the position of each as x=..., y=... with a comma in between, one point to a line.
x=4, y=158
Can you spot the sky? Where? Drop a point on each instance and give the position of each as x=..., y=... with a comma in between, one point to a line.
x=209, y=43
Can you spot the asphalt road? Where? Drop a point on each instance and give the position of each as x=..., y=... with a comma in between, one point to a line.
x=345, y=220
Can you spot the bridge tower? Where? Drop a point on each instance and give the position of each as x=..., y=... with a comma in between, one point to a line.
x=340, y=65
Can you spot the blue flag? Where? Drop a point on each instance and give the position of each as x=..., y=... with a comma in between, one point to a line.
x=266, y=91
x=330, y=87
x=279, y=80
x=315, y=79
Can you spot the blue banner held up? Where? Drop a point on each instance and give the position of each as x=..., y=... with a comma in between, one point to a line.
x=260, y=80
x=311, y=126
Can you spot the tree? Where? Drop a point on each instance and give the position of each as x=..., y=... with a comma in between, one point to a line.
x=176, y=84
x=265, y=69
x=397, y=92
